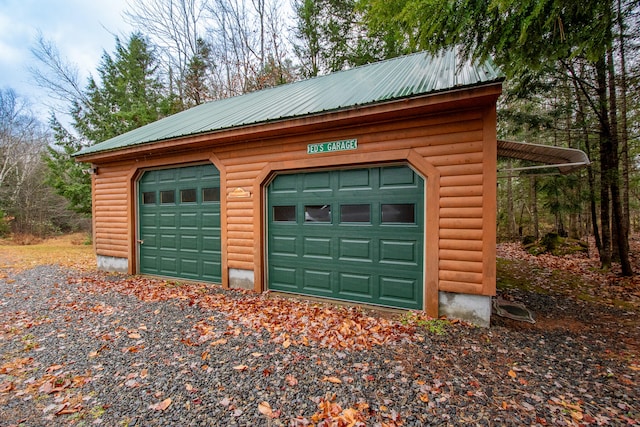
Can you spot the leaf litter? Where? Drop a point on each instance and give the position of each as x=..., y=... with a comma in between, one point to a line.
x=113, y=349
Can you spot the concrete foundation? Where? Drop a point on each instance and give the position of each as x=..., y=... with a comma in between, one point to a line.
x=110, y=263
x=474, y=309
x=241, y=279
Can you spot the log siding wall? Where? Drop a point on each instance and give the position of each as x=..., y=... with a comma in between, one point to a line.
x=456, y=149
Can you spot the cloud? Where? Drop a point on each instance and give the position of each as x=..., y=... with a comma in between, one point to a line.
x=82, y=30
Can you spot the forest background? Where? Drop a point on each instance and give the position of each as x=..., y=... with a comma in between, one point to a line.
x=572, y=80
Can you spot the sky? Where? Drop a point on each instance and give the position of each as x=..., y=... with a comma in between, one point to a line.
x=81, y=29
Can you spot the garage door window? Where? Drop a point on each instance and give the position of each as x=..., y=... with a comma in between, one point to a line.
x=149, y=197
x=284, y=213
x=167, y=197
x=355, y=213
x=317, y=213
x=188, y=195
x=399, y=213
x=211, y=194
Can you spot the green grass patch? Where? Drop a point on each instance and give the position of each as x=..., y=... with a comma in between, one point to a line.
x=433, y=326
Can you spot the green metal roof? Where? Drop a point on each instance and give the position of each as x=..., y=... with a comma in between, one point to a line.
x=393, y=79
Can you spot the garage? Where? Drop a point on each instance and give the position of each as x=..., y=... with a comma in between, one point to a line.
x=179, y=223
x=374, y=185
x=352, y=234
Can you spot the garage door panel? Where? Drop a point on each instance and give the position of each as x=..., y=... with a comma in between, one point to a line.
x=399, y=252
x=397, y=290
x=150, y=259
x=211, y=269
x=179, y=223
x=150, y=240
x=326, y=235
x=284, y=278
x=168, y=242
x=394, y=177
x=285, y=184
x=317, y=280
x=355, y=285
x=168, y=265
x=360, y=179
x=188, y=243
x=187, y=175
x=319, y=181
x=168, y=220
x=358, y=250
x=316, y=247
x=148, y=220
x=211, y=219
x=189, y=268
x=189, y=220
x=284, y=245
x=210, y=244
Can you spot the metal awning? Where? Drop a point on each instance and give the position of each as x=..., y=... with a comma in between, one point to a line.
x=565, y=160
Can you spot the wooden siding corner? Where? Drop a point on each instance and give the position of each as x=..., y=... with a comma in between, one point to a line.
x=490, y=152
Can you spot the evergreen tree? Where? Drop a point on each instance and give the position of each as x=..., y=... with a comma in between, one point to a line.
x=531, y=40
x=129, y=93
x=331, y=37
x=66, y=175
x=198, y=78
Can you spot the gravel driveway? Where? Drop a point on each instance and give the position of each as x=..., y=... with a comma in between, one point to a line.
x=82, y=351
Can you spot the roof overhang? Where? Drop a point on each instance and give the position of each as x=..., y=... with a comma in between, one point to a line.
x=559, y=159
x=348, y=118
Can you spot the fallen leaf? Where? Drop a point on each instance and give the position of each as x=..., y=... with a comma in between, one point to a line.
x=161, y=406
x=46, y=388
x=6, y=387
x=144, y=373
x=132, y=383
x=512, y=373
x=53, y=407
x=286, y=343
x=576, y=415
x=265, y=409
x=291, y=380
x=66, y=409
x=334, y=380
x=54, y=368
x=134, y=336
x=241, y=367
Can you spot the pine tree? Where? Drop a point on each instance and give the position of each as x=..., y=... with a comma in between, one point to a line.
x=127, y=95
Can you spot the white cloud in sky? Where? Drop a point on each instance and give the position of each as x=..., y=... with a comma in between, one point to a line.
x=81, y=30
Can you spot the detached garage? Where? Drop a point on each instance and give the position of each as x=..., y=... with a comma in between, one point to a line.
x=374, y=185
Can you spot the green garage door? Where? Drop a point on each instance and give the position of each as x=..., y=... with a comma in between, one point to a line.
x=179, y=223
x=353, y=234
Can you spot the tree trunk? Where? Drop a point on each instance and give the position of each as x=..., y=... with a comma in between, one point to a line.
x=533, y=189
x=624, y=136
x=582, y=122
x=511, y=219
x=621, y=231
x=605, y=164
